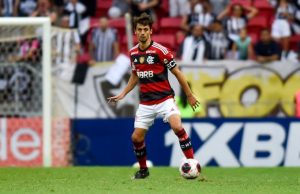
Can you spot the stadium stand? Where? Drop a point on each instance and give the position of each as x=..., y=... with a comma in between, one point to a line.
x=265, y=9
x=167, y=29
x=170, y=25
x=256, y=24
x=102, y=7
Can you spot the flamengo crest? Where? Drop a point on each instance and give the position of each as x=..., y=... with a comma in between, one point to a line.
x=150, y=60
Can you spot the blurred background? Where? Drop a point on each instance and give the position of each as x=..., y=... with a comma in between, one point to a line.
x=240, y=57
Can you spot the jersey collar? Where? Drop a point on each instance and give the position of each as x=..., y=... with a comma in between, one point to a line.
x=146, y=48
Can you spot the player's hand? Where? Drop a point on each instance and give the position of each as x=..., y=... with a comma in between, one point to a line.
x=193, y=102
x=115, y=99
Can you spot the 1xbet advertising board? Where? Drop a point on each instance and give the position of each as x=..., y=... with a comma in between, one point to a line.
x=216, y=142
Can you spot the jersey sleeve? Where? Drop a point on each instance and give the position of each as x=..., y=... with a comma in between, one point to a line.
x=168, y=59
x=133, y=70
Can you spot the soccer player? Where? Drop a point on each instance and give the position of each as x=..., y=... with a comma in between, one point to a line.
x=150, y=63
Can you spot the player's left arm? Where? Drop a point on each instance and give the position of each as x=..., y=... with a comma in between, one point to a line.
x=183, y=83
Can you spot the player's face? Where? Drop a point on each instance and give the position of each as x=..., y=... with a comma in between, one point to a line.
x=143, y=32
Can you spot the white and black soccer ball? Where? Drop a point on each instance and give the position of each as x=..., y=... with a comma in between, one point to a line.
x=190, y=168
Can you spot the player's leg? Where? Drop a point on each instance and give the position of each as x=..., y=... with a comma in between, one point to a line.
x=143, y=120
x=138, y=140
x=184, y=140
x=172, y=115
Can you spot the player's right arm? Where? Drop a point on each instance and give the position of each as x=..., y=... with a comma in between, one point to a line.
x=133, y=80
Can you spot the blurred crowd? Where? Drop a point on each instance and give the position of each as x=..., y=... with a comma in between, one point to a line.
x=207, y=29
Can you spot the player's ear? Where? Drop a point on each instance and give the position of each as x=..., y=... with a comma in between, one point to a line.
x=151, y=31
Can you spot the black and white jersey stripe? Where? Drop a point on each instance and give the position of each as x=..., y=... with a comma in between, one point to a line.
x=103, y=42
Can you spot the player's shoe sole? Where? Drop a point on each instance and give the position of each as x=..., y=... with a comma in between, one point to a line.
x=141, y=174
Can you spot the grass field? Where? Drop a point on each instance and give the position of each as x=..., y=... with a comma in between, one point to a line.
x=115, y=180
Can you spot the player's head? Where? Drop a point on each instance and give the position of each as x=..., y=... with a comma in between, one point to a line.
x=143, y=27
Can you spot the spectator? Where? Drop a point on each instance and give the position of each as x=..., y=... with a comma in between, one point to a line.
x=238, y=19
x=29, y=51
x=118, y=8
x=139, y=6
x=219, y=6
x=178, y=8
x=24, y=8
x=218, y=41
x=242, y=47
x=91, y=7
x=296, y=22
x=67, y=49
x=7, y=8
x=58, y=6
x=194, y=9
x=44, y=10
x=194, y=48
x=78, y=16
x=205, y=17
x=267, y=50
x=273, y=2
x=67, y=43
x=281, y=28
x=104, y=45
x=200, y=14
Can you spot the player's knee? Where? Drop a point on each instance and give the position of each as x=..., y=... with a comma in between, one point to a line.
x=175, y=123
x=137, y=138
x=176, y=127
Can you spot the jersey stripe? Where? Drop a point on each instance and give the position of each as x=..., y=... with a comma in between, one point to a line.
x=164, y=52
x=156, y=95
x=157, y=86
x=151, y=102
x=160, y=48
x=151, y=68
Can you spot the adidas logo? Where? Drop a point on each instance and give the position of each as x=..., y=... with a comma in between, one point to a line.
x=135, y=60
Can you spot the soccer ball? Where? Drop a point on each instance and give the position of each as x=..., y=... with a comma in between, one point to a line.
x=190, y=168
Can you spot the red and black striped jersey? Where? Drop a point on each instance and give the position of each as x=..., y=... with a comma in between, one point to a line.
x=151, y=66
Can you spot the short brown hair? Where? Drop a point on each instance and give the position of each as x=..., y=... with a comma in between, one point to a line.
x=143, y=19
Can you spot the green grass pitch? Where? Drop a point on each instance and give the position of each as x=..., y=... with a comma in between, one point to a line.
x=117, y=180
